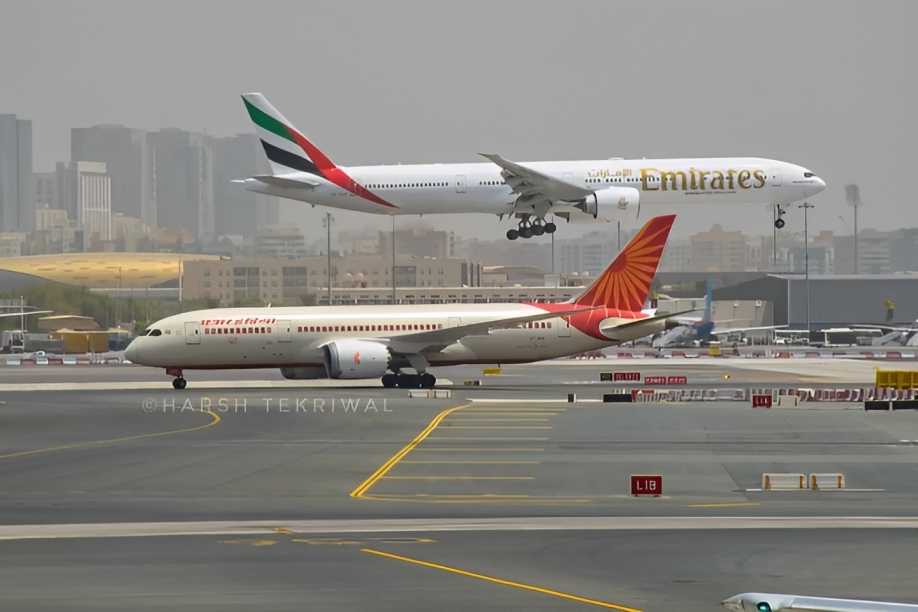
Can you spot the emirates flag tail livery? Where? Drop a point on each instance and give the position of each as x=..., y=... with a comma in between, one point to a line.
x=364, y=342
x=603, y=190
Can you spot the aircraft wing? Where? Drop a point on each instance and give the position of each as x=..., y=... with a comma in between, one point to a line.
x=28, y=312
x=609, y=329
x=435, y=340
x=534, y=187
x=889, y=328
x=775, y=602
x=739, y=330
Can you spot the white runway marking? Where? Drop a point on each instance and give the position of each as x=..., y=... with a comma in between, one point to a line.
x=222, y=528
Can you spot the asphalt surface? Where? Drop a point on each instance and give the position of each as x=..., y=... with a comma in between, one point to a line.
x=295, y=452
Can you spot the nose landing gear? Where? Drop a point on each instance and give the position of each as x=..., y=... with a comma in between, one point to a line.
x=179, y=381
x=779, y=222
x=531, y=227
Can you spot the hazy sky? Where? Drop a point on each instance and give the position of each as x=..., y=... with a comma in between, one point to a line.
x=831, y=85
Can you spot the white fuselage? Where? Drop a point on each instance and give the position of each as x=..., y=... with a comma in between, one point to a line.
x=293, y=337
x=480, y=188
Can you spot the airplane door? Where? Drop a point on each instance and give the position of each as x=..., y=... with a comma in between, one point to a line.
x=564, y=328
x=192, y=332
x=454, y=322
x=460, y=183
x=776, y=177
x=284, y=333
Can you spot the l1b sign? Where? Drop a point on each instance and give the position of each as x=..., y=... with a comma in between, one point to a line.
x=646, y=485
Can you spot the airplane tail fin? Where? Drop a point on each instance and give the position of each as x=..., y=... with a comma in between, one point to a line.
x=286, y=147
x=626, y=283
x=707, y=301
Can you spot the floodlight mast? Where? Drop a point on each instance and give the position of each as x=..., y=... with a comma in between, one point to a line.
x=853, y=195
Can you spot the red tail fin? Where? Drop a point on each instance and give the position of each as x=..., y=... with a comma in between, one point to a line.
x=625, y=284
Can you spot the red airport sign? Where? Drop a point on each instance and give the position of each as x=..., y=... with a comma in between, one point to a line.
x=646, y=485
x=761, y=401
x=654, y=380
x=676, y=380
x=626, y=376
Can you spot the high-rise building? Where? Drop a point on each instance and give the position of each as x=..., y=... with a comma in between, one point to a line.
x=17, y=189
x=184, y=181
x=717, y=250
x=129, y=161
x=238, y=212
x=85, y=192
x=903, y=250
x=423, y=243
x=46, y=190
x=591, y=253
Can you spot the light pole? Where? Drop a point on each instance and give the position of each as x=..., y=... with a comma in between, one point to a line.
x=774, y=239
x=853, y=195
x=394, y=299
x=552, y=248
x=327, y=221
x=806, y=260
x=118, y=295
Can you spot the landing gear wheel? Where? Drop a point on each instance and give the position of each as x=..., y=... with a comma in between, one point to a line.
x=550, y=228
x=408, y=381
x=779, y=223
x=389, y=381
x=428, y=381
x=538, y=230
x=525, y=232
x=512, y=234
x=179, y=383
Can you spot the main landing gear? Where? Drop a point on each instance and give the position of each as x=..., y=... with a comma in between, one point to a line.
x=779, y=222
x=179, y=381
x=531, y=227
x=409, y=381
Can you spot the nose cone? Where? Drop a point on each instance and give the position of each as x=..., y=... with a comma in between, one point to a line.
x=817, y=185
x=132, y=353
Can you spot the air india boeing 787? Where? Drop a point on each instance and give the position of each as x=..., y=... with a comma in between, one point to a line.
x=363, y=342
x=603, y=190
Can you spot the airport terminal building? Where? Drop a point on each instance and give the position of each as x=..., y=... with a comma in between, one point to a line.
x=833, y=300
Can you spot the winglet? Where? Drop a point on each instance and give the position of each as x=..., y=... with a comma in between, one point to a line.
x=626, y=283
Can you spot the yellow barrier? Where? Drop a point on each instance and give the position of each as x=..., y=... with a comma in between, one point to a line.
x=491, y=371
x=715, y=351
x=897, y=379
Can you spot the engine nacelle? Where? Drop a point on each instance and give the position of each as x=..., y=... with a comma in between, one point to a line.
x=355, y=359
x=303, y=373
x=612, y=204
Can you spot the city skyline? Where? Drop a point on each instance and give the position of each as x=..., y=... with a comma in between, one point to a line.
x=803, y=100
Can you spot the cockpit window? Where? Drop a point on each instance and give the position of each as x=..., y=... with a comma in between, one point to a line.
x=145, y=332
x=808, y=175
x=155, y=332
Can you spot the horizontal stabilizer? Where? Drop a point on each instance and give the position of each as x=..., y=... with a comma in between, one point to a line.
x=287, y=181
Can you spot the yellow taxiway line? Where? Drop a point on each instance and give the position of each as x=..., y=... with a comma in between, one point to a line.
x=518, y=585
x=216, y=419
x=384, y=468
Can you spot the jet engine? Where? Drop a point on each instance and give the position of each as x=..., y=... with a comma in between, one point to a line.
x=612, y=204
x=303, y=373
x=355, y=359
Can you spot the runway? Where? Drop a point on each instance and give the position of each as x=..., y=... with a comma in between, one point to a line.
x=503, y=496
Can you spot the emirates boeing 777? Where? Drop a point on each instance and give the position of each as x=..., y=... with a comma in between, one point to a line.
x=604, y=190
x=364, y=342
